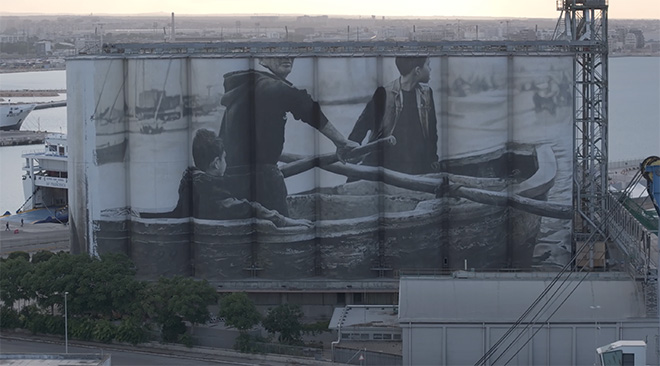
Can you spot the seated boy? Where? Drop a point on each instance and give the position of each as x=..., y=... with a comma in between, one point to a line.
x=203, y=193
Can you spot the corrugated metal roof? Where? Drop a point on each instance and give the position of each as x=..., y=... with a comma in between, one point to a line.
x=367, y=316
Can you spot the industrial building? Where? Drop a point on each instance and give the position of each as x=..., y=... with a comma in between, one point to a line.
x=508, y=191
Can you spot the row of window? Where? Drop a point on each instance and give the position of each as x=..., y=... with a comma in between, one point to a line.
x=372, y=336
x=339, y=298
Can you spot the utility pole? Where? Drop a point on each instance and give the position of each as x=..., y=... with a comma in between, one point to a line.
x=66, y=325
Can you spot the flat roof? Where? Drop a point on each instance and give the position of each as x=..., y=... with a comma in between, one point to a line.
x=474, y=297
x=344, y=49
x=620, y=344
x=365, y=316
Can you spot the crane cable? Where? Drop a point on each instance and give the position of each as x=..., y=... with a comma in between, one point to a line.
x=558, y=307
x=494, y=348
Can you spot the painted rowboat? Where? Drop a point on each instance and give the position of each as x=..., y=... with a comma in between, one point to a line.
x=483, y=212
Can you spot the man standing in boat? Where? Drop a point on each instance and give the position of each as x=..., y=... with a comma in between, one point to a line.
x=403, y=108
x=252, y=129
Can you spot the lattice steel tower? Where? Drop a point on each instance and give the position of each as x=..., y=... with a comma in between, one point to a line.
x=584, y=24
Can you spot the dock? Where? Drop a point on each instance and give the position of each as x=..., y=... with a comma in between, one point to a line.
x=15, y=138
x=32, y=238
x=26, y=235
x=31, y=93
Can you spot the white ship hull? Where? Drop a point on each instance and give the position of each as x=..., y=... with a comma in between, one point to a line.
x=13, y=115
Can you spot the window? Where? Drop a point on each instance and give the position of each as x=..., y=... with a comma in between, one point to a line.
x=628, y=359
x=341, y=298
x=357, y=298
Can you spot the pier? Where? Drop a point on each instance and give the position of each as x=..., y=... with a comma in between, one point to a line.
x=31, y=93
x=15, y=138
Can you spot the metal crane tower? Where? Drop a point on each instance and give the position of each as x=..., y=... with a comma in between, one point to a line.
x=584, y=24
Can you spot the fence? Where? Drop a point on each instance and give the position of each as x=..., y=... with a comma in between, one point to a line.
x=350, y=356
x=282, y=349
x=632, y=237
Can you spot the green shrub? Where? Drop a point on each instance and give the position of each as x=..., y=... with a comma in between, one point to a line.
x=172, y=329
x=19, y=254
x=53, y=324
x=42, y=256
x=316, y=328
x=82, y=328
x=186, y=339
x=104, y=331
x=246, y=343
x=9, y=318
x=32, y=319
x=131, y=331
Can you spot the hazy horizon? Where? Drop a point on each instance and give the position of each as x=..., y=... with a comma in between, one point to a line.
x=529, y=9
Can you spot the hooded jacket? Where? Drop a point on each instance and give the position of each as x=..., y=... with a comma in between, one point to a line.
x=256, y=105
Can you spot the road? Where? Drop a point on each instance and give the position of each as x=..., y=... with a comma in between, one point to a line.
x=119, y=357
x=127, y=356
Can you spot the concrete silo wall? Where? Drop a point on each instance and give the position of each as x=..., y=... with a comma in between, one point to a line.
x=143, y=132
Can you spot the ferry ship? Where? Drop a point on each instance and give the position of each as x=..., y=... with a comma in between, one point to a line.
x=45, y=180
x=12, y=116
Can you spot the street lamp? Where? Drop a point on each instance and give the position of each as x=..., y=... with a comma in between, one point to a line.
x=66, y=325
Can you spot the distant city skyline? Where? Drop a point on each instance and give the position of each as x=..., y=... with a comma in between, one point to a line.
x=618, y=9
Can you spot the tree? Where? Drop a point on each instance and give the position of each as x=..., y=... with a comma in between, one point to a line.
x=21, y=48
x=239, y=311
x=12, y=274
x=170, y=301
x=61, y=273
x=108, y=286
x=19, y=254
x=285, y=320
x=97, y=287
x=42, y=256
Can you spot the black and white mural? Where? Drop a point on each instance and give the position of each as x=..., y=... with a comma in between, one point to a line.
x=336, y=167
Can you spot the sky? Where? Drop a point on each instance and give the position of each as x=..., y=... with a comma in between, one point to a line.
x=618, y=9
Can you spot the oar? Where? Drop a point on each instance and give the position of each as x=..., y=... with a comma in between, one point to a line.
x=302, y=165
x=444, y=186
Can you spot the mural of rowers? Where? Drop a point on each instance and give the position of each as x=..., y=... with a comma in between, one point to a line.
x=403, y=108
x=203, y=191
x=252, y=129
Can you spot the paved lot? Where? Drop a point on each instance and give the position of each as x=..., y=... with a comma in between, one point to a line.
x=32, y=238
